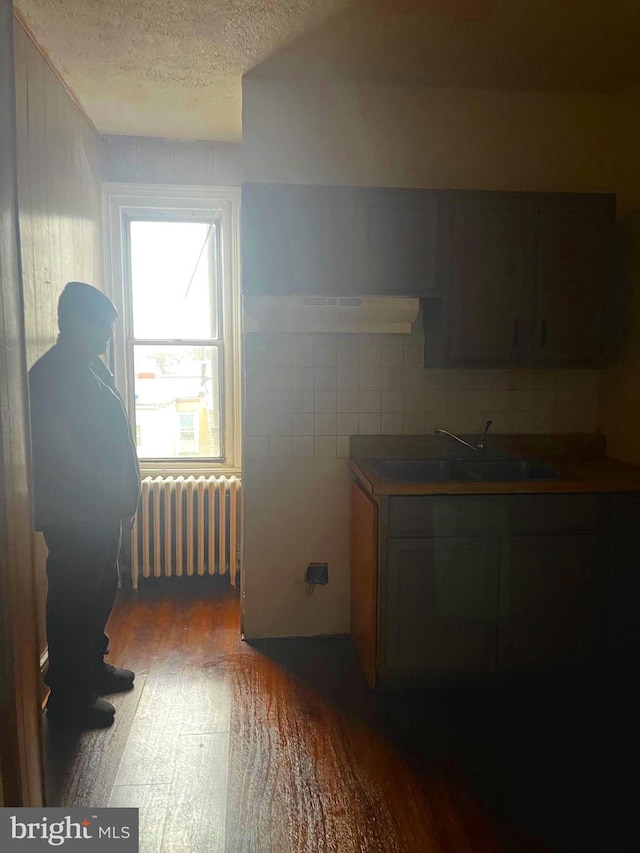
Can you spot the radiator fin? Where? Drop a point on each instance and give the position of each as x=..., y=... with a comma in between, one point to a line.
x=186, y=525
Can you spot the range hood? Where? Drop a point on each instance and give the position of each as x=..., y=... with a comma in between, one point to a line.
x=378, y=314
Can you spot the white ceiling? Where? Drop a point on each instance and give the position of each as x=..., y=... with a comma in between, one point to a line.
x=166, y=67
x=174, y=67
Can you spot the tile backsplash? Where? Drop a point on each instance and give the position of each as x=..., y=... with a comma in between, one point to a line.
x=305, y=394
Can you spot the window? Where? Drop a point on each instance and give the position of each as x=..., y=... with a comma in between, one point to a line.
x=174, y=273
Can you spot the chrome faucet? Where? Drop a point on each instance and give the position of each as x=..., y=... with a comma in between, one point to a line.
x=480, y=443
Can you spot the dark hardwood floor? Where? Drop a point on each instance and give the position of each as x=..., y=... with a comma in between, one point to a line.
x=278, y=746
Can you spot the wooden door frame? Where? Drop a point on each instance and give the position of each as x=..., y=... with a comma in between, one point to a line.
x=21, y=766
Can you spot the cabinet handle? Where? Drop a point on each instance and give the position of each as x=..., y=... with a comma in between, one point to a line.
x=543, y=333
x=516, y=332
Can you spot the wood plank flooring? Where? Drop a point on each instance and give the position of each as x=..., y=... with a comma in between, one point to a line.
x=278, y=746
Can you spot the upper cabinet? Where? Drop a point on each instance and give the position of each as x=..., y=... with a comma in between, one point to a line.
x=487, y=263
x=573, y=262
x=339, y=241
x=525, y=279
x=509, y=279
x=396, y=241
x=287, y=242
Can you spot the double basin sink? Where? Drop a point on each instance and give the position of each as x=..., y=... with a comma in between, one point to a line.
x=485, y=470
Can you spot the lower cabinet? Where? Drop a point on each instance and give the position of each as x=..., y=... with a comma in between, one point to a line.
x=440, y=604
x=533, y=582
x=549, y=611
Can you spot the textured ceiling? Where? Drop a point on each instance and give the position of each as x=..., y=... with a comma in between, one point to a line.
x=174, y=67
x=166, y=67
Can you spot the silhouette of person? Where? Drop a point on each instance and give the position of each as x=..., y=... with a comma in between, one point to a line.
x=86, y=481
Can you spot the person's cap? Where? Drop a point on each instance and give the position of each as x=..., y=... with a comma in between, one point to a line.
x=85, y=301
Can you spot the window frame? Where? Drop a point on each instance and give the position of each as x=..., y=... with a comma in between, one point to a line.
x=126, y=202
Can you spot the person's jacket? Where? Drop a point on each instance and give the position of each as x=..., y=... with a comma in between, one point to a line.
x=85, y=465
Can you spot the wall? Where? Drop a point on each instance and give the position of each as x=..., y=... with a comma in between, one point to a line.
x=60, y=208
x=332, y=132
x=21, y=768
x=620, y=398
x=145, y=160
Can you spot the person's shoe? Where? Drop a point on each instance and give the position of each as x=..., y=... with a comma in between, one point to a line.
x=112, y=679
x=90, y=712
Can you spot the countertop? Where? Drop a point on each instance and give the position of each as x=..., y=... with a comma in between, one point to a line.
x=580, y=461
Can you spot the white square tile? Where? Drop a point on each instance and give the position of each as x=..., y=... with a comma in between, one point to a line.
x=324, y=424
x=324, y=401
x=392, y=356
x=279, y=378
x=256, y=447
x=369, y=424
x=457, y=400
x=413, y=423
x=543, y=422
x=391, y=378
x=280, y=401
x=370, y=355
x=327, y=339
x=544, y=399
x=347, y=423
x=391, y=401
x=301, y=355
x=256, y=355
x=413, y=356
x=325, y=447
x=302, y=378
x=391, y=423
x=459, y=421
x=302, y=424
x=324, y=356
x=256, y=424
x=347, y=356
x=414, y=401
x=524, y=400
x=257, y=377
x=302, y=339
x=505, y=380
x=369, y=401
x=412, y=379
x=435, y=400
x=565, y=422
x=347, y=401
x=502, y=423
x=325, y=379
x=279, y=424
x=436, y=379
x=302, y=446
x=279, y=447
x=370, y=379
x=587, y=421
x=502, y=400
x=347, y=378
x=301, y=401
x=343, y=446
x=522, y=423
x=280, y=355
x=257, y=395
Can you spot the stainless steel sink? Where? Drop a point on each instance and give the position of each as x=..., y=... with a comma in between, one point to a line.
x=416, y=470
x=464, y=470
x=504, y=470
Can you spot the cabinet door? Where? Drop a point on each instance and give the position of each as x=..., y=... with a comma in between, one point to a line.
x=440, y=605
x=550, y=613
x=396, y=239
x=286, y=240
x=575, y=234
x=490, y=250
x=623, y=582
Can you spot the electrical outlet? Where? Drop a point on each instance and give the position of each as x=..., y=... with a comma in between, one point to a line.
x=317, y=574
